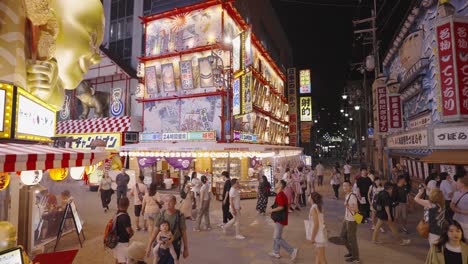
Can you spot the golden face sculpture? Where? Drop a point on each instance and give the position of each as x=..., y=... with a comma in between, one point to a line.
x=68, y=44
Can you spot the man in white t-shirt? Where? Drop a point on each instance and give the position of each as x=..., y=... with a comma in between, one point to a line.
x=319, y=170
x=349, y=227
x=460, y=203
x=234, y=197
x=347, y=171
x=447, y=189
x=196, y=185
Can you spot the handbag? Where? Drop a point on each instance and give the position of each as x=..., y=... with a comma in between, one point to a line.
x=358, y=217
x=321, y=236
x=278, y=216
x=423, y=228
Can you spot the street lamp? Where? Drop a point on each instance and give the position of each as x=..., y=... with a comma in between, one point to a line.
x=346, y=114
x=345, y=128
x=357, y=107
x=342, y=110
x=351, y=119
x=344, y=96
x=315, y=121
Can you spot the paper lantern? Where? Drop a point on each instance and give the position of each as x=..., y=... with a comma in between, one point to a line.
x=31, y=177
x=90, y=169
x=77, y=173
x=4, y=180
x=58, y=174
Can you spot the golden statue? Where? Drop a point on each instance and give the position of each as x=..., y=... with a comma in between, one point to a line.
x=8, y=238
x=46, y=46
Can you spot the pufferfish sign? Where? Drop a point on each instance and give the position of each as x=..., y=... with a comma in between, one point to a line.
x=53, y=53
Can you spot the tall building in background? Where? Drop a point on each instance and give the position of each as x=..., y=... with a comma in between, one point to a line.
x=124, y=31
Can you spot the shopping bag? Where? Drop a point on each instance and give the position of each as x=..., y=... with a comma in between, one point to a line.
x=308, y=229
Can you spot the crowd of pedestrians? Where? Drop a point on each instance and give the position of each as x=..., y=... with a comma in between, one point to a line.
x=367, y=199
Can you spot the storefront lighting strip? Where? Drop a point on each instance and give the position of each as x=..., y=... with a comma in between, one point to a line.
x=213, y=155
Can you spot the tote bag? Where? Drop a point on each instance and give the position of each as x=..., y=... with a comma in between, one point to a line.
x=321, y=236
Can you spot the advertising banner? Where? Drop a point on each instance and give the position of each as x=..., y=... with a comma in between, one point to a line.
x=236, y=96
x=408, y=140
x=304, y=82
x=461, y=50
x=382, y=112
x=167, y=76
x=395, y=111
x=150, y=80
x=447, y=69
x=84, y=141
x=292, y=102
x=236, y=54
x=305, y=131
x=206, y=73
x=456, y=136
x=247, y=106
x=305, y=109
x=248, y=48
x=186, y=75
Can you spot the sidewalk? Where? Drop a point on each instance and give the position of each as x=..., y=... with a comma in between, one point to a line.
x=214, y=247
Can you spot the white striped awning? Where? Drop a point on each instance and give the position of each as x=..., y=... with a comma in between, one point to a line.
x=20, y=157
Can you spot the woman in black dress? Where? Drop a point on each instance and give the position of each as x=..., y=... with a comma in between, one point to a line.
x=263, y=193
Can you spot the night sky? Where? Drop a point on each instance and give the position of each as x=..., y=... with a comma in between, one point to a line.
x=333, y=46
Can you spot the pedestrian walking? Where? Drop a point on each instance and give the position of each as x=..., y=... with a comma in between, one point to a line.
x=151, y=206
x=335, y=181
x=459, y=204
x=349, y=227
x=227, y=216
x=311, y=180
x=234, y=196
x=196, y=186
x=138, y=192
x=105, y=191
x=374, y=190
x=263, y=193
x=319, y=233
x=289, y=189
x=347, y=171
x=303, y=182
x=431, y=183
x=297, y=189
x=204, y=211
x=451, y=247
x=447, y=188
x=319, y=170
x=164, y=242
x=385, y=216
x=401, y=213
x=279, y=214
x=122, y=181
x=434, y=212
x=124, y=231
x=178, y=229
x=187, y=199
x=363, y=184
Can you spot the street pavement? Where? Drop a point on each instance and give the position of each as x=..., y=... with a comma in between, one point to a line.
x=214, y=247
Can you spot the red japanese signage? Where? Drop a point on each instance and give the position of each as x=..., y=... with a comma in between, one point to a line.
x=447, y=69
x=461, y=53
x=382, y=108
x=292, y=100
x=395, y=111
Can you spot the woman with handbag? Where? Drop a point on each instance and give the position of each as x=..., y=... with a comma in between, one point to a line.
x=151, y=206
x=318, y=233
x=187, y=196
x=451, y=247
x=434, y=214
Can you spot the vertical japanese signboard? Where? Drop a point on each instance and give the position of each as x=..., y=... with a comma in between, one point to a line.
x=452, y=47
x=247, y=49
x=247, y=93
x=292, y=100
x=382, y=112
x=305, y=106
x=395, y=111
x=304, y=82
x=236, y=54
x=186, y=75
x=236, y=96
x=461, y=51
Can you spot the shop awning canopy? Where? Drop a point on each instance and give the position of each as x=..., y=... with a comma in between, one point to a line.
x=20, y=157
x=96, y=125
x=447, y=157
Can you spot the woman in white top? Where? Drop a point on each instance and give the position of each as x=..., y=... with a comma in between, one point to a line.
x=204, y=211
x=319, y=233
x=151, y=206
x=138, y=192
x=105, y=191
x=335, y=182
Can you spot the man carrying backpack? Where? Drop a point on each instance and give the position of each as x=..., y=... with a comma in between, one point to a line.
x=384, y=215
x=177, y=227
x=124, y=231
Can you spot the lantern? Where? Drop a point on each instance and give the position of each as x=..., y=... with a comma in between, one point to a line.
x=58, y=174
x=77, y=173
x=31, y=177
x=4, y=180
x=90, y=169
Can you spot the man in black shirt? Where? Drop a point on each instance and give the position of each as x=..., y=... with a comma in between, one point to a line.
x=402, y=191
x=385, y=215
x=122, y=181
x=124, y=231
x=227, y=216
x=363, y=184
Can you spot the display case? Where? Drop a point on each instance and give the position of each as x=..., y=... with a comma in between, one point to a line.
x=220, y=165
x=248, y=189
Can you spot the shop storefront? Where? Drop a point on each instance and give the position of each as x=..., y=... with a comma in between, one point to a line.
x=420, y=89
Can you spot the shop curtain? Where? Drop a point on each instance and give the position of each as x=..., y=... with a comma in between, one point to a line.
x=179, y=163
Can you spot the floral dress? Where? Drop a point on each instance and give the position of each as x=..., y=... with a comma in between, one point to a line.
x=263, y=191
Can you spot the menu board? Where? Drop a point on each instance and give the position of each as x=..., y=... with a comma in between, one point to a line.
x=11, y=256
x=74, y=212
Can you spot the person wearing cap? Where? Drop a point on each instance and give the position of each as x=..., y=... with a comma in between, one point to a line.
x=136, y=253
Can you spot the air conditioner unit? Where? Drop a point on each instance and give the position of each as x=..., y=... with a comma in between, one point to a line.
x=131, y=137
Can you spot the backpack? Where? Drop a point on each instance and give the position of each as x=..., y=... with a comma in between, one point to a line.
x=140, y=194
x=377, y=202
x=111, y=239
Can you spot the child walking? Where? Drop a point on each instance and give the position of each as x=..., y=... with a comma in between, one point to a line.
x=164, y=240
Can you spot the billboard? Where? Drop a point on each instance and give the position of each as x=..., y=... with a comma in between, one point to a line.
x=236, y=96
x=305, y=108
x=304, y=82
